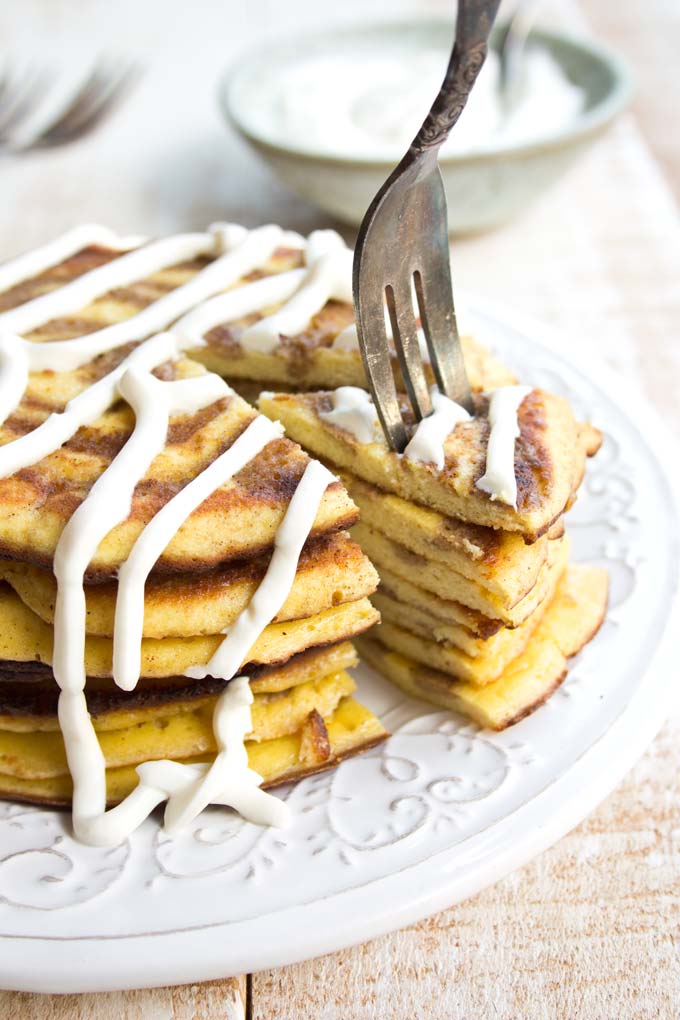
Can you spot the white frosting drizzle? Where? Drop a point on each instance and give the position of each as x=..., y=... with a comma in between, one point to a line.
x=276, y=583
x=427, y=443
x=34, y=262
x=120, y=272
x=107, y=504
x=499, y=479
x=132, y=576
x=354, y=411
x=21, y=356
x=329, y=276
x=244, y=251
x=228, y=780
x=252, y=297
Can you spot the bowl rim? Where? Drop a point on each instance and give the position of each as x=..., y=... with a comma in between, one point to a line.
x=587, y=124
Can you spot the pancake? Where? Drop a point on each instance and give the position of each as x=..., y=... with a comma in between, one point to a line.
x=180, y=731
x=550, y=455
x=320, y=744
x=399, y=631
x=24, y=637
x=29, y=693
x=330, y=572
x=443, y=612
x=499, y=561
x=306, y=360
x=410, y=617
x=572, y=619
x=440, y=580
x=37, y=502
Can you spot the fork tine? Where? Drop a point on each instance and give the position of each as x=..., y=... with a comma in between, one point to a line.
x=106, y=90
x=434, y=294
x=71, y=116
x=20, y=98
x=405, y=333
x=93, y=100
x=109, y=96
x=375, y=351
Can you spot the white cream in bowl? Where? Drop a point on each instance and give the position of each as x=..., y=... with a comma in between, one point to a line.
x=368, y=102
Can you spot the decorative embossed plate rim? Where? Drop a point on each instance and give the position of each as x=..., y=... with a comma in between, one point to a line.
x=421, y=839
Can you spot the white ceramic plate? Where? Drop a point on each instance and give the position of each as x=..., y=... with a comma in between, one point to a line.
x=436, y=814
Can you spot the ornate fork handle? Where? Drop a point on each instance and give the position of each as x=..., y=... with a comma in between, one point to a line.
x=473, y=25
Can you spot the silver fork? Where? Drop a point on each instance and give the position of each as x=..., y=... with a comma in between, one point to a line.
x=91, y=101
x=403, y=246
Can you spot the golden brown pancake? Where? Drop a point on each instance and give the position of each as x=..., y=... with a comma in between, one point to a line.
x=36, y=502
x=440, y=580
x=550, y=458
x=303, y=717
x=29, y=691
x=24, y=637
x=306, y=361
x=310, y=362
x=400, y=631
x=499, y=561
x=331, y=571
x=571, y=620
x=318, y=745
x=180, y=731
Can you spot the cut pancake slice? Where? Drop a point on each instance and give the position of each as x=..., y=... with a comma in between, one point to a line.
x=443, y=582
x=497, y=560
x=410, y=617
x=572, y=619
x=37, y=502
x=549, y=460
x=443, y=611
x=330, y=572
x=492, y=657
x=24, y=637
x=319, y=744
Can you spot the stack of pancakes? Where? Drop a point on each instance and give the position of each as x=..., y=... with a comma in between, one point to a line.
x=480, y=607
x=304, y=716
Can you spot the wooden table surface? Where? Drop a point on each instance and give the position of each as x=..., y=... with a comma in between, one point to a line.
x=590, y=929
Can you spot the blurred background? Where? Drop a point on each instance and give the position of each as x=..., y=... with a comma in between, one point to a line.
x=166, y=158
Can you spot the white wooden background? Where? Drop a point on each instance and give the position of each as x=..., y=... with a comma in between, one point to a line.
x=589, y=930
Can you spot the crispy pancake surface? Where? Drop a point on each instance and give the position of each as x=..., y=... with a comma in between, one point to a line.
x=24, y=637
x=307, y=360
x=331, y=571
x=37, y=502
x=550, y=458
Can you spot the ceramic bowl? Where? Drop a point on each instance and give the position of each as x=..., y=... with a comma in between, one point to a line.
x=484, y=188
